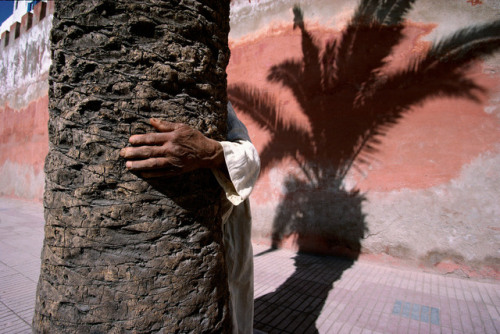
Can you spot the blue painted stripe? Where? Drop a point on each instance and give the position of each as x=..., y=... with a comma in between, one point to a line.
x=397, y=307
x=416, y=312
x=434, y=316
x=425, y=314
x=406, y=310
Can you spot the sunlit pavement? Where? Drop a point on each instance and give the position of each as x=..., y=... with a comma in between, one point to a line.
x=294, y=293
x=298, y=293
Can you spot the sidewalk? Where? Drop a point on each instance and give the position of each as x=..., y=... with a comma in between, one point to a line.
x=294, y=293
x=297, y=293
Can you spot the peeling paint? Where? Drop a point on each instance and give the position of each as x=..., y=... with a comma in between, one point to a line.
x=248, y=17
x=431, y=190
x=24, y=66
x=21, y=181
x=431, y=186
x=452, y=217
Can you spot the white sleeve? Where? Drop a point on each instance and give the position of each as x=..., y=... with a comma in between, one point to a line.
x=242, y=161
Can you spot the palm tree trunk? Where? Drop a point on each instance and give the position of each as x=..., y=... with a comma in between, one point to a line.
x=121, y=254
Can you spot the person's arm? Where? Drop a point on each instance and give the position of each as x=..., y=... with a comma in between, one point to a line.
x=177, y=148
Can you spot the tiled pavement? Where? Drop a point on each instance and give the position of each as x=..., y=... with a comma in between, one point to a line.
x=21, y=236
x=295, y=293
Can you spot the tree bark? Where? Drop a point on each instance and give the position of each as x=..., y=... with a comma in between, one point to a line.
x=121, y=254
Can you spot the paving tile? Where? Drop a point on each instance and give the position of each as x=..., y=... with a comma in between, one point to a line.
x=336, y=327
x=485, y=294
x=13, y=324
x=26, y=315
x=435, y=330
x=477, y=324
x=345, y=329
x=6, y=270
x=356, y=330
x=424, y=328
x=456, y=321
x=446, y=330
x=414, y=326
x=493, y=312
x=491, y=327
x=294, y=293
x=445, y=319
x=458, y=331
x=382, y=324
x=434, y=316
x=403, y=325
x=308, y=325
x=373, y=321
x=467, y=326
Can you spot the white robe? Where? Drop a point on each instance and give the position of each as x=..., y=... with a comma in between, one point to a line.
x=243, y=165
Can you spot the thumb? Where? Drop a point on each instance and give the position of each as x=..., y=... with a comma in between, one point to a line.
x=163, y=126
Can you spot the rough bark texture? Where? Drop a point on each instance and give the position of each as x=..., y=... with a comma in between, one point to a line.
x=121, y=254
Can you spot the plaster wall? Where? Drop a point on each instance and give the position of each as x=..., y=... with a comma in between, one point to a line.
x=24, y=66
x=428, y=195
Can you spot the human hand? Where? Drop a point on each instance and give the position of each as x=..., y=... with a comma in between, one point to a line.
x=175, y=149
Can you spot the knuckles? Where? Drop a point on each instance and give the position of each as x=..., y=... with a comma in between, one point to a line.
x=170, y=151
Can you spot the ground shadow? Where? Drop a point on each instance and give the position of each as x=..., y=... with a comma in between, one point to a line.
x=295, y=306
x=321, y=219
x=351, y=95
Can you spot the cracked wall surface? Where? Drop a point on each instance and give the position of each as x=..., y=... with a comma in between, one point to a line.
x=24, y=67
x=429, y=191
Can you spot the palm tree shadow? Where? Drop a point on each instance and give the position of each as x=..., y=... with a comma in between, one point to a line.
x=351, y=100
x=331, y=216
x=295, y=306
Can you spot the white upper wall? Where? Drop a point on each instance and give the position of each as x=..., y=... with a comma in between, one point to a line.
x=251, y=16
x=19, y=8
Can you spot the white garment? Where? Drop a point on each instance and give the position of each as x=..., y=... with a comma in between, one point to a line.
x=243, y=165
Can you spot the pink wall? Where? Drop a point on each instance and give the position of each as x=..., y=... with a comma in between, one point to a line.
x=425, y=195
x=25, y=62
x=24, y=144
x=426, y=148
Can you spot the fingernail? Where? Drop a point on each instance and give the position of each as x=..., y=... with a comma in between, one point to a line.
x=128, y=164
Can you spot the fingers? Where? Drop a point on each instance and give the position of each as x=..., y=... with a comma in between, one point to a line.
x=157, y=174
x=149, y=139
x=150, y=164
x=164, y=126
x=142, y=152
x=152, y=155
x=156, y=138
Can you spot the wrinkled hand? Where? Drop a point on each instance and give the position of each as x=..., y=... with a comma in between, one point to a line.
x=175, y=149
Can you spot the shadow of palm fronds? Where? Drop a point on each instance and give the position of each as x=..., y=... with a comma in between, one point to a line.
x=350, y=102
